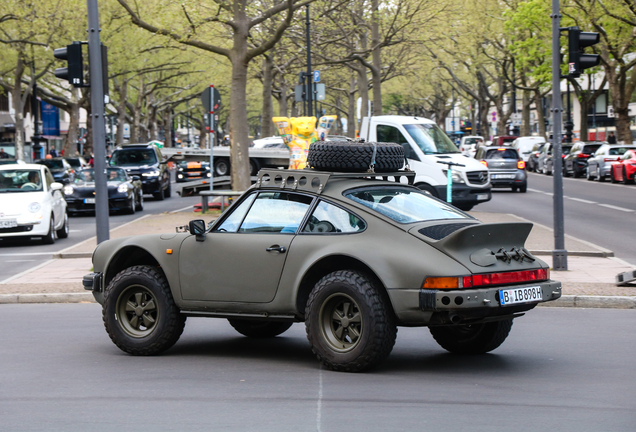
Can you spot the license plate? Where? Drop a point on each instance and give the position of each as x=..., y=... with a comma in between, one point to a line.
x=195, y=173
x=8, y=223
x=520, y=295
x=502, y=176
x=481, y=197
x=89, y=201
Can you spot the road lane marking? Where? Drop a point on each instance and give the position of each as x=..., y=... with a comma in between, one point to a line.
x=617, y=208
x=180, y=210
x=582, y=200
x=19, y=260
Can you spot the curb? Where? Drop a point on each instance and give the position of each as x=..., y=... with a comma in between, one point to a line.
x=73, y=255
x=580, y=301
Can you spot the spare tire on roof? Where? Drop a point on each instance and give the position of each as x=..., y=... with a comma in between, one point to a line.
x=347, y=156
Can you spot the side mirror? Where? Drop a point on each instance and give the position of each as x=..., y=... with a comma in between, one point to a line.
x=197, y=228
x=55, y=186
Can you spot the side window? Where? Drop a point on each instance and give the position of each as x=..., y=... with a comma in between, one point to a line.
x=276, y=212
x=392, y=134
x=234, y=220
x=327, y=218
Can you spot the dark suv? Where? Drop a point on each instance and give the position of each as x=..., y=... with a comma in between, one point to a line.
x=575, y=162
x=145, y=161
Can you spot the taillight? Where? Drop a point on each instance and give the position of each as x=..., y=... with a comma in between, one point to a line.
x=521, y=164
x=610, y=159
x=583, y=155
x=488, y=279
x=484, y=162
x=563, y=156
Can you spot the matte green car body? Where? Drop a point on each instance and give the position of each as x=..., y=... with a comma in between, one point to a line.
x=233, y=275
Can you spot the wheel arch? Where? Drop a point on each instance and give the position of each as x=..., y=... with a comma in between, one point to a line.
x=129, y=256
x=330, y=264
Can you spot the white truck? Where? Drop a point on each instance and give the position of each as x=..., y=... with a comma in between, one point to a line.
x=425, y=145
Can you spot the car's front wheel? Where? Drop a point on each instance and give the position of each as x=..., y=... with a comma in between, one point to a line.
x=472, y=338
x=259, y=329
x=349, y=323
x=139, y=312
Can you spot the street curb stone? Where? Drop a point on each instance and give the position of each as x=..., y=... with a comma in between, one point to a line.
x=47, y=298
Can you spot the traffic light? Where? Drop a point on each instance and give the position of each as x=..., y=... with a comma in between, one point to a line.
x=578, y=61
x=74, y=72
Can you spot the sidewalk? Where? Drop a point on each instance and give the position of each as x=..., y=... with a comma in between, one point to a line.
x=589, y=281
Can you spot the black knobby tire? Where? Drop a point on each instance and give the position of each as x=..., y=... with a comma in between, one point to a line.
x=350, y=156
x=473, y=338
x=349, y=323
x=49, y=238
x=258, y=328
x=139, y=312
x=63, y=232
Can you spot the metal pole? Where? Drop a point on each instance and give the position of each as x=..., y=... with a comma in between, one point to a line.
x=559, y=254
x=309, y=75
x=212, y=136
x=594, y=109
x=568, y=122
x=99, y=125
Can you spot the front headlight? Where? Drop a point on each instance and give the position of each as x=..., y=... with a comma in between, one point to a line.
x=154, y=173
x=180, y=175
x=68, y=190
x=34, y=207
x=456, y=175
x=122, y=188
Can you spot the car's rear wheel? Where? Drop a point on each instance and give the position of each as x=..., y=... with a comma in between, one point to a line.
x=49, y=238
x=259, y=329
x=472, y=338
x=221, y=167
x=523, y=188
x=139, y=312
x=514, y=188
x=63, y=232
x=349, y=323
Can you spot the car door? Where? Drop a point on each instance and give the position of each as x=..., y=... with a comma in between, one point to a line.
x=55, y=198
x=242, y=258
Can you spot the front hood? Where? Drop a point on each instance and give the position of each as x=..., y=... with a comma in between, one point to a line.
x=482, y=248
x=13, y=204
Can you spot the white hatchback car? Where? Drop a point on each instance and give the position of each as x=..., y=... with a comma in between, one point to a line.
x=31, y=203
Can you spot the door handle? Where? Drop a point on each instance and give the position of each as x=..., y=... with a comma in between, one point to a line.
x=276, y=248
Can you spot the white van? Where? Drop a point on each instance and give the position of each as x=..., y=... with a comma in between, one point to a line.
x=524, y=145
x=425, y=144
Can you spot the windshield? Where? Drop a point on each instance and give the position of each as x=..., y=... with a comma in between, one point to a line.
x=431, y=139
x=54, y=164
x=74, y=162
x=20, y=180
x=87, y=175
x=133, y=157
x=404, y=205
x=473, y=140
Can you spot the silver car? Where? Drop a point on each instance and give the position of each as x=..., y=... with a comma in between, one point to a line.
x=599, y=165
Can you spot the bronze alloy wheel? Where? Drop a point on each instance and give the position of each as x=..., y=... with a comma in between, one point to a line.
x=137, y=311
x=341, y=322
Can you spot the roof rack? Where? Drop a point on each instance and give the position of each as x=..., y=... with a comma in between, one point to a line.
x=315, y=181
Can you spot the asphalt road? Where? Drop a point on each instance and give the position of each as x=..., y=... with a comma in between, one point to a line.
x=601, y=213
x=560, y=370
x=17, y=256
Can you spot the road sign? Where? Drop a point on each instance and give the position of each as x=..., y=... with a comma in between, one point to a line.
x=316, y=76
x=205, y=99
x=320, y=91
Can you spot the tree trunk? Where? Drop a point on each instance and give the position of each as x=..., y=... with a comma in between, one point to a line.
x=538, y=103
x=239, y=159
x=294, y=109
x=621, y=84
x=70, y=142
x=18, y=108
x=167, y=127
x=203, y=134
x=351, y=109
x=363, y=90
x=525, y=113
x=376, y=70
x=282, y=102
x=121, y=112
x=267, y=126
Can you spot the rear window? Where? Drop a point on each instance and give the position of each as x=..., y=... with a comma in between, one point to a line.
x=404, y=205
x=133, y=157
x=590, y=148
x=502, y=154
x=618, y=151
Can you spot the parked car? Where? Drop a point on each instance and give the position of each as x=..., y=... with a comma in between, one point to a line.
x=194, y=170
x=77, y=163
x=304, y=245
x=144, y=161
x=124, y=193
x=31, y=203
x=624, y=169
x=575, y=162
x=533, y=159
x=525, y=146
x=545, y=164
x=504, y=140
x=469, y=145
x=600, y=163
x=269, y=142
x=60, y=168
x=506, y=167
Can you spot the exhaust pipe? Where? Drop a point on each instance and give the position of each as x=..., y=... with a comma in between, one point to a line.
x=454, y=318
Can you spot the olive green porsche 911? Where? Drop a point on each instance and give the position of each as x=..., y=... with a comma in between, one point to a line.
x=352, y=255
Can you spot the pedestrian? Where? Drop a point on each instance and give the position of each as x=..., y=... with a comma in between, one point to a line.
x=53, y=152
x=611, y=139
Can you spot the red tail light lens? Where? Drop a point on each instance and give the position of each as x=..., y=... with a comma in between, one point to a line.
x=583, y=155
x=489, y=279
x=610, y=159
x=521, y=165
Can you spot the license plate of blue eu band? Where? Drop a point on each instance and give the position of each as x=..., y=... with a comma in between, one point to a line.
x=520, y=295
x=89, y=201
